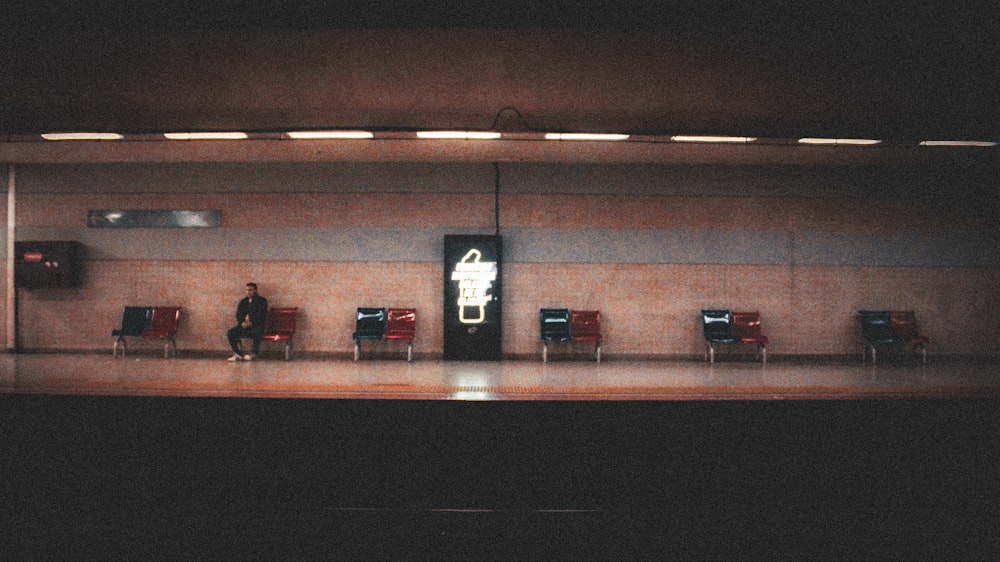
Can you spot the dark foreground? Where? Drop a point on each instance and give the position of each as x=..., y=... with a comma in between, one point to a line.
x=204, y=478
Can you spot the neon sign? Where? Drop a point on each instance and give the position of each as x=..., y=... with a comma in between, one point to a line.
x=473, y=297
x=475, y=280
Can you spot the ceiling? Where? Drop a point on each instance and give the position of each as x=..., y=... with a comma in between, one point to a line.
x=902, y=72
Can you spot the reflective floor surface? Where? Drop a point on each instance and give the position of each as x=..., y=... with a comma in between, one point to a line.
x=150, y=374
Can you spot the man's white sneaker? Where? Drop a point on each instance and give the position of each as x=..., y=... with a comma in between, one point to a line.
x=235, y=357
x=248, y=357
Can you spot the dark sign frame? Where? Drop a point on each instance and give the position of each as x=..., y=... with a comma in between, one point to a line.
x=473, y=297
x=153, y=218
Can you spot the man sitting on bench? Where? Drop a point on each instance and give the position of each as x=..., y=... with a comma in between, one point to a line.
x=251, y=318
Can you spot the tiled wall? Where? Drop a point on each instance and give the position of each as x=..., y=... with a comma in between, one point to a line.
x=648, y=246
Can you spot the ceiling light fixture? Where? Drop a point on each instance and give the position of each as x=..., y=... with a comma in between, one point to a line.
x=957, y=143
x=711, y=138
x=329, y=135
x=231, y=135
x=856, y=142
x=586, y=136
x=81, y=136
x=464, y=135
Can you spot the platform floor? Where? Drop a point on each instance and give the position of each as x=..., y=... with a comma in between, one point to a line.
x=149, y=374
x=148, y=458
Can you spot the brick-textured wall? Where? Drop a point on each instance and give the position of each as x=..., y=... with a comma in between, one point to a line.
x=648, y=309
x=648, y=257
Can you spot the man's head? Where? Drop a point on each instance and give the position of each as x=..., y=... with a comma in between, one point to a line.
x=251, y=289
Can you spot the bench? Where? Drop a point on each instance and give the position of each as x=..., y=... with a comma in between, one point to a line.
x=147, y=322
x=565, y=325
x=379, y=323
x=280, y=327
x=892, y=329
x=722, y=326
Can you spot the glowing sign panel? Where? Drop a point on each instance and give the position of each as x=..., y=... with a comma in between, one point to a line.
x=475, y=279
x=472, y=297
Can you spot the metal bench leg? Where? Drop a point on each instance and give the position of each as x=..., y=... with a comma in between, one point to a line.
x=114, y=349
x=864, y=352
x=288, y=349
x=763, y=354
x=409, y=352
x=545, y=353
x=597, y=351
x=357, y=350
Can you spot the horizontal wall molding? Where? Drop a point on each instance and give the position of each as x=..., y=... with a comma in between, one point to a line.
x=463, y=151
x=582, y=246
x=515, y=178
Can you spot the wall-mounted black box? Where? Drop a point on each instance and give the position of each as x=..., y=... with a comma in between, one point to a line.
x=41, y=265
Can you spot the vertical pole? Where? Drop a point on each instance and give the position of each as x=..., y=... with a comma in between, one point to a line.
x=11, y=307
x=496, y=196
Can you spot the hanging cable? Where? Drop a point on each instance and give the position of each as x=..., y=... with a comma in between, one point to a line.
x=522, y=123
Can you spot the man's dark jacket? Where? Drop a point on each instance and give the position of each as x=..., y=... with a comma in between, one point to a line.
x=256, y=309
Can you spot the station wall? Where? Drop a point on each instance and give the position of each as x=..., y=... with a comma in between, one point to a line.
x=648, y=245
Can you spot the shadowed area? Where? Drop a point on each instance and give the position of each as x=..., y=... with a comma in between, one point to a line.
x=139, y=476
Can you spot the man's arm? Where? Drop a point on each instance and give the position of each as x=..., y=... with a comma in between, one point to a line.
x=258, y=316
x=241, y=311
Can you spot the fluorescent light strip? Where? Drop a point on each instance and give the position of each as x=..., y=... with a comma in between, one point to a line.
x=703, y=138
x=586, y=136
x=465, y=135
x=329, y=135
x=81, y=136
x=856, y=142
x=206, y=136
x=957, y=143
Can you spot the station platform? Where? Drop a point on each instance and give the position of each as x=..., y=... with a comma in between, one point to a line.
x=781, y=379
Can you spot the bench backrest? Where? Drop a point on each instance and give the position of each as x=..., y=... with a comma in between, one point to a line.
x=746, y=325
x=369, y=323
x=585, y=325
x=163, y=322
x=400, y=323
x=904, y=324
x=876, y=326
x=135, y=319
x=281, y=321
x=717, y=325
x=554, y=324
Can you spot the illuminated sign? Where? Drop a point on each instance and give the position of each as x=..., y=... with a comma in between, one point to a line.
x=475, y=279
x=472, y=297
